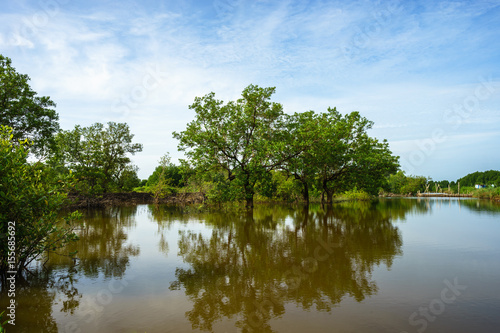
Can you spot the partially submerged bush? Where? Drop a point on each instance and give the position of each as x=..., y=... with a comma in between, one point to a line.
x=30, y=204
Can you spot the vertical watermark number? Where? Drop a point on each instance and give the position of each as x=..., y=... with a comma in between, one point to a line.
x=11, y=273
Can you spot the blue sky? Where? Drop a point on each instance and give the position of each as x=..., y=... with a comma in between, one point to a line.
x=426, y=72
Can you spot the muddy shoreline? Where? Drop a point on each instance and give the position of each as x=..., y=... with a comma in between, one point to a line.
x=447, y=195
x=133, y=198
x=426, y=195
x=136, y=198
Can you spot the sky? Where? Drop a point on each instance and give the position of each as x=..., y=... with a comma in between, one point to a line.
x=427, y=73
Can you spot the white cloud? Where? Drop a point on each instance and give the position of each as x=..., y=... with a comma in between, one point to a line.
x=406, y=66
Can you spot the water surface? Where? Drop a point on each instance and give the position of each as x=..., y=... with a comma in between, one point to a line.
x=394, y=265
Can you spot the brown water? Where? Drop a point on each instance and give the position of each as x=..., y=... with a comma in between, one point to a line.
x=396, y=265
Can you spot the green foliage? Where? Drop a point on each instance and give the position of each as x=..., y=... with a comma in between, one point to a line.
x=279, y=186
x=357, y=160
x=395, y=182
x=160, y=188
x=30, y=199
x=128, y=180
x=97, y=156
x=222, y=190
x=30, y=116
x=487, y=193
x=356, y=194
x=287, y=189
x=267, y=185
x=193, y=180
x=490, y=178
x=243, y=137
x=442, y=186
x=171, y=171
x=466, y=189
x=338, y=153
x=399, y=183
x=303, y=133
x=2, y=329
x=252, y=137
x=483, y=178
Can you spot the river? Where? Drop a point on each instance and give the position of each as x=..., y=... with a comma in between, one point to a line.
x=392, y=265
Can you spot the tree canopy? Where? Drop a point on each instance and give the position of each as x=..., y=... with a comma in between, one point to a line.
x=346, y=156
x=400, y=183
x=30, y=116
x=483, y=178
x=252, y=136
x=97, y=155
x=244, y=137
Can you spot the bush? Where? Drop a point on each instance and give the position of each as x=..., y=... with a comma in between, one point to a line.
x=487, y=193
x=30, y=203
x=400, y=183
x=356, y=194
x=221, y=190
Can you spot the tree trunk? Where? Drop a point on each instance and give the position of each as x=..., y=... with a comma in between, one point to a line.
x=329, y=192
x=305, y=212
x=249, y=192
x=329, y=197
x=249, y=202
x=305, y=192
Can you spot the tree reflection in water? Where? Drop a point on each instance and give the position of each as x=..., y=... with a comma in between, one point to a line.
x=101, y=250
x=104, y=235
x=35, y=295
x=253, y=264
x=248, y=268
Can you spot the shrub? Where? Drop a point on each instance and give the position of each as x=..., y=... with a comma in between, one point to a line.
x=30, y=204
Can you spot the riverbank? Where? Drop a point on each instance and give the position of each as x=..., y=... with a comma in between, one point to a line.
x=492, y=194
x=134, y=198
x=426, y=195
x=446, y=195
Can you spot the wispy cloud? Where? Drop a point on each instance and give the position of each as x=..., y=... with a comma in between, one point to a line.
x=401, y=64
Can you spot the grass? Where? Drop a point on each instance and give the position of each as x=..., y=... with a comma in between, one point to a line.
x=491, y=193
x=2, y=328
x=487, y=193
x=355, y=194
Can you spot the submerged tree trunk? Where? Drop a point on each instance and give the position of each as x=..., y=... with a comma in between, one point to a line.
x=328, y=191
x=305, y=192
x=249, y=201
x=305, y=213
x=249, y=192
x=329, y=197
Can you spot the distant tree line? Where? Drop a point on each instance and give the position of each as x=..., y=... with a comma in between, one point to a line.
x=488, y=178
x=400, y=183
